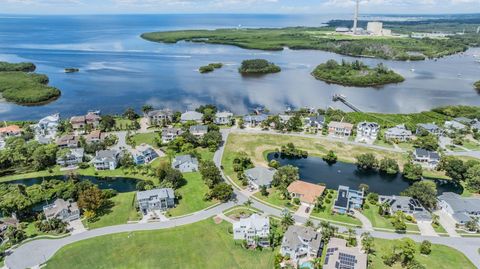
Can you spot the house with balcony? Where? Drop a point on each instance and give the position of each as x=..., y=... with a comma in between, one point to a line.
x=428, y=159
x=460, y=209
x=408, y=205
x=169, y=134
x=63, y=210
x=430, y=128
x=348, y=200
x=301, y=244
x=340, y=129
x=159, y=117
x=398, y=133
x=143, y=154
x=67, y=141
x=70, y=157
x=367, y=132
x=223, y=118
x=253, y=121
x=185, y=163
x=155, y=200
x=106, y=159
x=314, y=122
x=198, y=130
x=46, y=129
x=255, y=230
x=191, y=116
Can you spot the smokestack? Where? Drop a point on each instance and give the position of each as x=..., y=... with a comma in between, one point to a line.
x=355, y=19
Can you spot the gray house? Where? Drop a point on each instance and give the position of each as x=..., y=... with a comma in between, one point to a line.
x=185, y=163
x=62, y=210
x=315, y=122
x=260, y=176
x=301, y=243
x=398, y=133
x=106, y=159
x=430, y=128
x=461, y=209
x=156, y=199
x=407, y=205
x=169, y=134
x=429, y=159
x=191, y=116
x=198, y=130
x=155, y=117
x=222, y=118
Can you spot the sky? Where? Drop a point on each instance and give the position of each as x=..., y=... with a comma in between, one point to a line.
x=236, y=6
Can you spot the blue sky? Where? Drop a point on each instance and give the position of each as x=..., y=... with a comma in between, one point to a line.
x=235, y=6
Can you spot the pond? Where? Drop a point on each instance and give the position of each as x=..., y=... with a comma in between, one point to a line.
x=119, y=184
x=316, y=170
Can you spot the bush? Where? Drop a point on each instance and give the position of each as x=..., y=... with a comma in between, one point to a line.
x=426, y=247
x=296, y=201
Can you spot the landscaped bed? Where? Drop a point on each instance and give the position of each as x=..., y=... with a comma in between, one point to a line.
x=199, y=245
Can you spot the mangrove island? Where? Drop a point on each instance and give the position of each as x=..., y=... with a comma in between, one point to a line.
x=258, y=66
x=355, y=74
x=210, y=67
x=19, y=85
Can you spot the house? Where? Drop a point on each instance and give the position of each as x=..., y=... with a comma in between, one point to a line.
x=254, y=120
x=71, y=157
x=185, y=163
x=169, y=134
x=156, y=199
x=398, y=133
x=407, y=205
x=159, y=117
x=430, y=128
x=347, y=200
x=254, y=229
x=78, y=122
x=260, y=176
x=198, y=130
x=46, y=129
x=5, y=223
x=306, y=192
x=9, y=131
x=464, y=120
x=284, y=118
x=340, y=256
x=455, y=126
x=223, y=118
x=428, y=159
x=96, y=136
x=106, y=159
x=315, y=122
x=143, y=154
x=63, y=210
x=475, y=125
x=92, y=118
x=191, y=116
x=461, y=209
x=367, y=132
x=340, y=129
x=301, y=243
x=67, y=141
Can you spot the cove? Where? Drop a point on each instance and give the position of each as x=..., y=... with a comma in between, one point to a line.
x=316, y=170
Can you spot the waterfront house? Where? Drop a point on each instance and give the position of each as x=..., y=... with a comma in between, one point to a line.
x=254, y=230
x=63, y=210
x=461, y=209
x=106, y=159
x=348, y=200
x=430, y=128
x=253, y=121
x=169, y=134
x=464, y=120
x=259, y=176
x=5, y=223
x=91, y=118
x=191, y=116
x=185, y=163
x=301, y=244
x=96, y=136
x=143, y=154
x=159, y=117
x=223, y=118
x=398, y=133
x=156, y=199
x=340, y=129
x=46, y=129
x=70, y=157
x=428, y=159
x=198, y=130
x=306, y=192
x=340, y=256
x=367, y=132
x=67, y=141
x=314, y=122
x=407, y=205
x=10, y=131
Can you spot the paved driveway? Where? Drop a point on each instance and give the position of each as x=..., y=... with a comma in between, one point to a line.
x=301, y=212
x=426, y=229
x=447, y=222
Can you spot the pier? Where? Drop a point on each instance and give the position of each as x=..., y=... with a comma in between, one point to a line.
x=342, y=98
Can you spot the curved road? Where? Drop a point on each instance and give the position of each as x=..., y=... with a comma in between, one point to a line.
x=38, y=252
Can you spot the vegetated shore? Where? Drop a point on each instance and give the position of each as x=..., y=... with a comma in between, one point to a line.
x=258, y=66
x=19, y=85
x=317, y=38
x=477, y=85
x=355, y=74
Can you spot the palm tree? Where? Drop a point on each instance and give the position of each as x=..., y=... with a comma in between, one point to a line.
x=248, y=203
x=309, y=223
x=287, y=219
x=146, y=109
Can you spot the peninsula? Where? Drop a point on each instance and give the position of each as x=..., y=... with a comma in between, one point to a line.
x=258, y=66
x=19, y=85
x=355, y=74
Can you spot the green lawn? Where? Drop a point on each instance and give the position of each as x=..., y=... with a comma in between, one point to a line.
x=199, y=245
x=123, y=211
x=470, y=145
x=122, y=123
x=381, y=222
x=192, y=195
x=275, y=197
x=145, y=138
x=328, y=214
x=442, y=257
x=241, y=211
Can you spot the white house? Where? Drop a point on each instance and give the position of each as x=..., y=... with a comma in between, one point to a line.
x=191, y=116
x=398, y=133
x=461, y=209
x=46, y=129
x=198, y=130
x=367, y=132
x=430, y=128
x=223, y=118
x=72, y=157
x=301, y=243
x=254, y=229
x=156, y=117
x=106, y=159
x=156, y=199
x=455, y=126
x=185, y=163
x=169, y=134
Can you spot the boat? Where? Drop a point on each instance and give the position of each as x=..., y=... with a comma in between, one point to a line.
x=71, y=70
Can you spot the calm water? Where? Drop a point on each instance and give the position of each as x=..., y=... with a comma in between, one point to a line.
x=315, y=170
x=118, y=184
x=119, y=69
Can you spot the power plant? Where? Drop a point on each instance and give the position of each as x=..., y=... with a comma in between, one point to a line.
x=355, y=18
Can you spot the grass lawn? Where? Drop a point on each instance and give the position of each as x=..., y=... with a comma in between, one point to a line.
x=442, y=257
x=122, y=123
x=381, y=222
x=145, y=138
x=327, y=212
x=123, y=211
x=241, y=212
x=32, y=231
x=439, y=228
x=275, y=197
x=199, y=245
x=470, y=145
x=192, y=195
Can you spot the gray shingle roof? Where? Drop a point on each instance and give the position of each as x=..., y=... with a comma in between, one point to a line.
x=295, y=235
x=184, y=159
x=262, y=176
x=160, y=193
x=191, y=116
